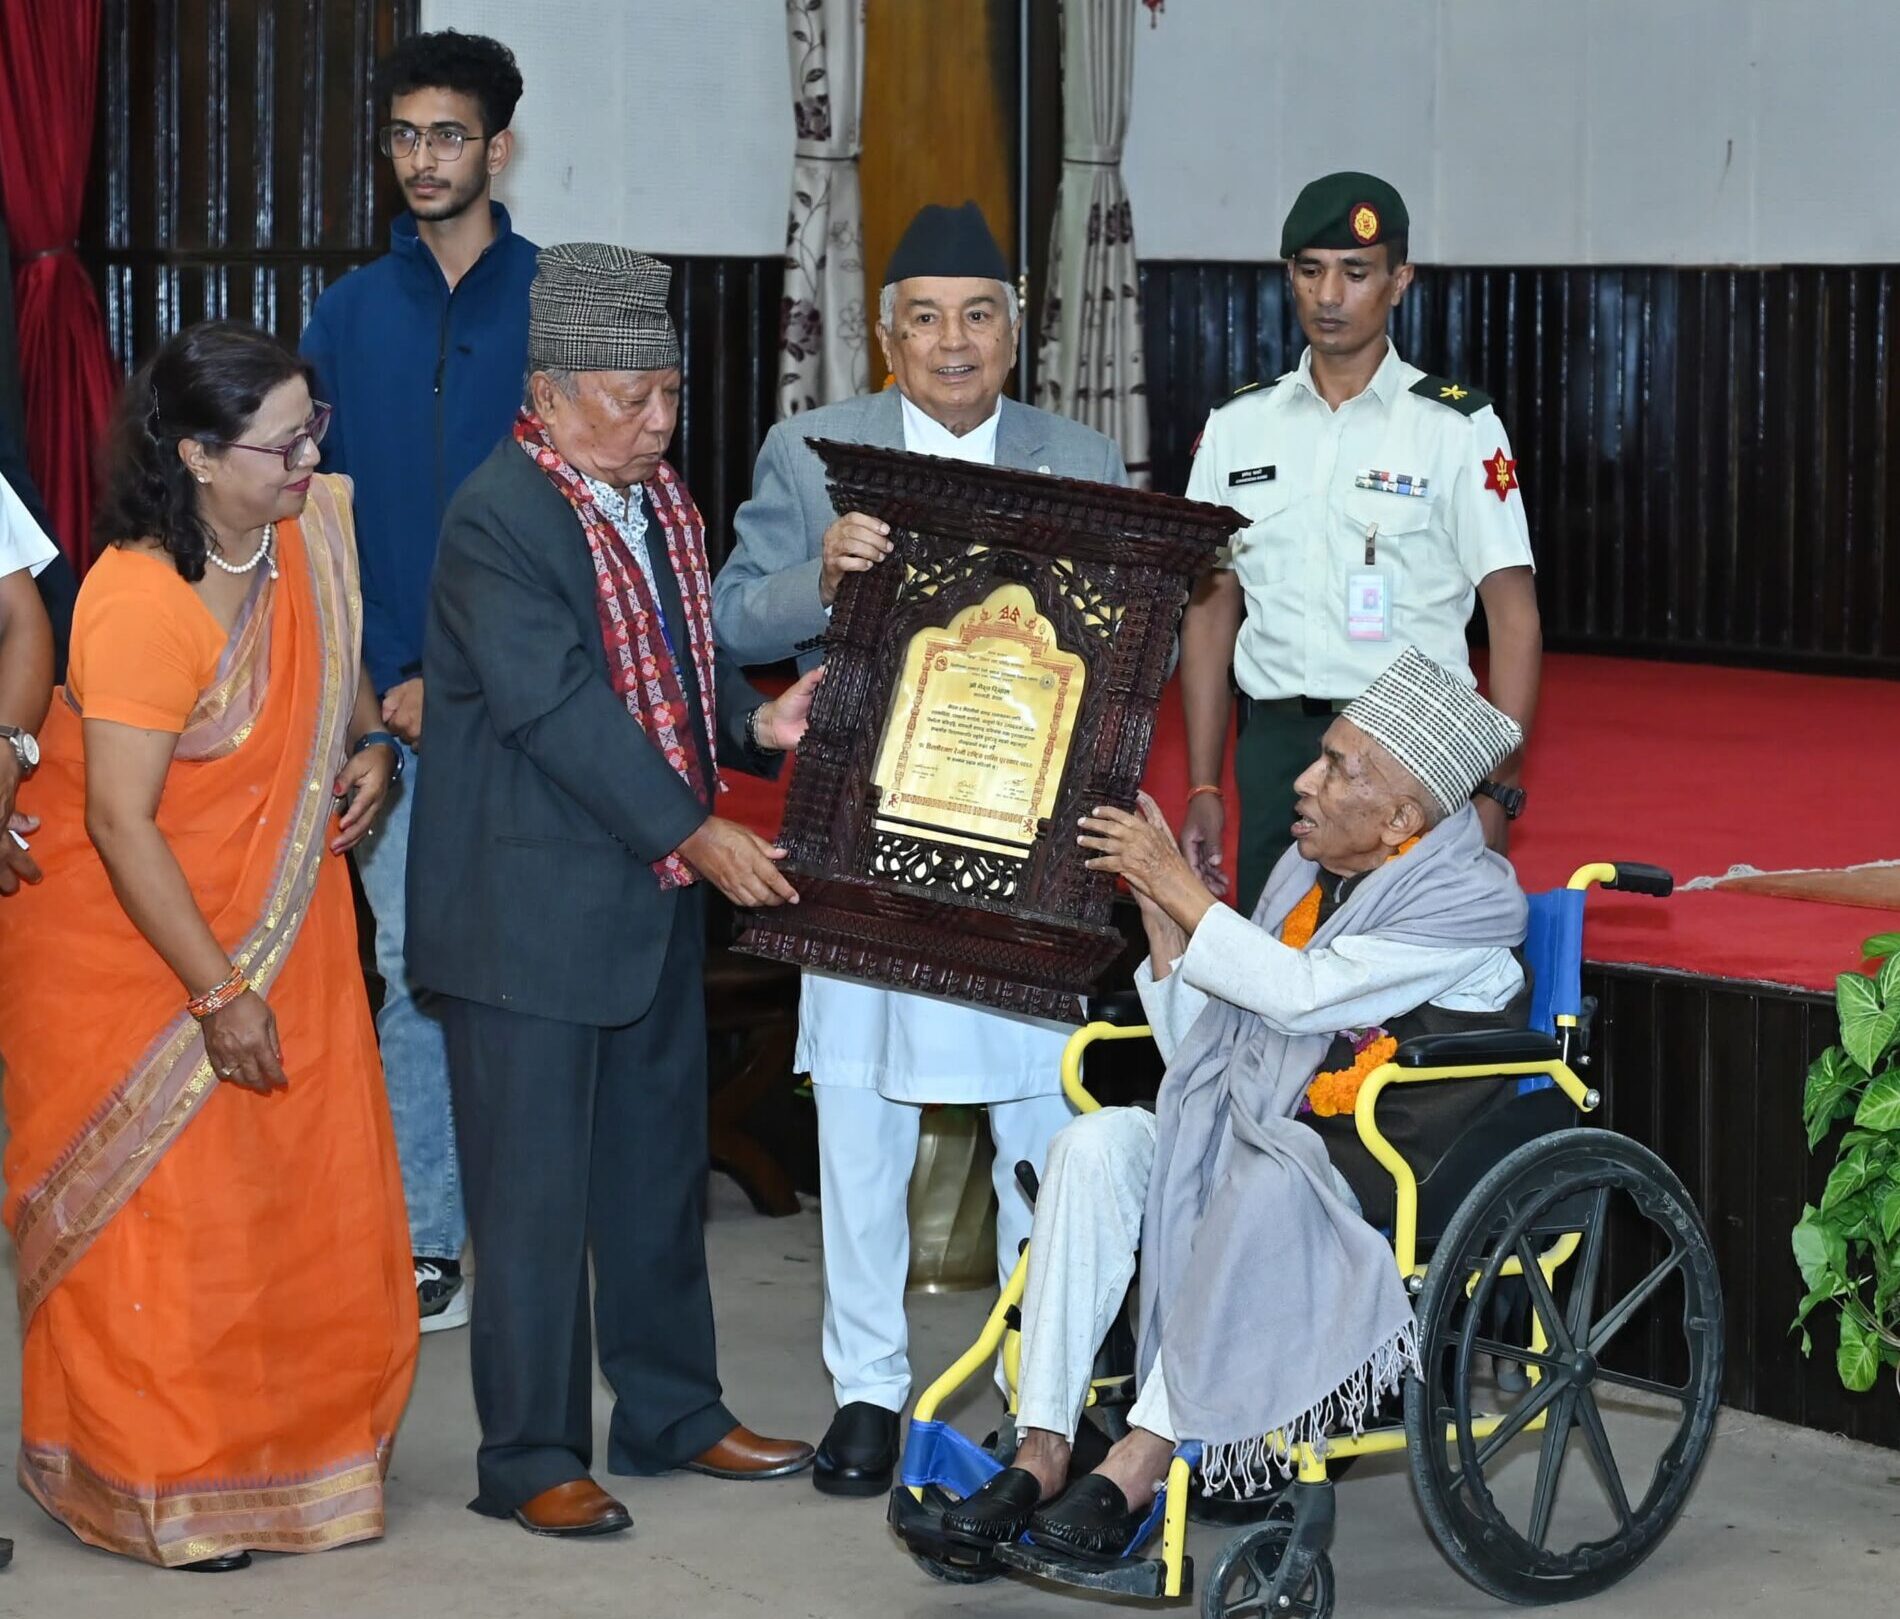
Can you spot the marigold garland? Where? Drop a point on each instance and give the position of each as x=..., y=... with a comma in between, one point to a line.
x=1338, y=1092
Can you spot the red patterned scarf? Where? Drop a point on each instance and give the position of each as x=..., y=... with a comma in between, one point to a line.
x=639, y=658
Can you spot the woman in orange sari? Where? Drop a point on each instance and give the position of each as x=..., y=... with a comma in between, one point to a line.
x=220, y=1317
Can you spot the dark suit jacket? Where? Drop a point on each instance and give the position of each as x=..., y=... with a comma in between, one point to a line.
x=540, y=803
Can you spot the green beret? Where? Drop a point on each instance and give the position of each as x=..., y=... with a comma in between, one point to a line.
x=1343, y=210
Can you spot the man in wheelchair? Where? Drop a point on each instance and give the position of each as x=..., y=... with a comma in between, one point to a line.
x=1269, y=1310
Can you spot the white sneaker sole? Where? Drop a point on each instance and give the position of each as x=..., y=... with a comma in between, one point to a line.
x=456, y=1315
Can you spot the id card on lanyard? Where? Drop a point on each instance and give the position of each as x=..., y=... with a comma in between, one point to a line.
x=1369, y=596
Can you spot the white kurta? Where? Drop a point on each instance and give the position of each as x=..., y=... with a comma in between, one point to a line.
x=919, y=1048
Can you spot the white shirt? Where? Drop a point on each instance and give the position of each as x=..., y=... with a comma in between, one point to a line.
x=918, y=1048
x=1353, y=983
x=23, y=543
x=1420, y=469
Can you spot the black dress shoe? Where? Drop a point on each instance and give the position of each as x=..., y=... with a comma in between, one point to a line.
x=1091, y=1516
x=218, y=1565
x=858, y=1454
x=999, y=1511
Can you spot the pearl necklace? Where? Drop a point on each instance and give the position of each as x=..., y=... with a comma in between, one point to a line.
x=262, y=554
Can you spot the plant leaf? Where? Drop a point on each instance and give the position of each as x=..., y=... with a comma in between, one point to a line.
x=1830, y=1288
x=1887, y=980
x=1888, y=1203
x=1881, y=944
x=1832, y=1076
x=1867, y=1027
x=1819, y=1249
x=1880, y=1103
x=1849, y=1176
x=1858, y=1357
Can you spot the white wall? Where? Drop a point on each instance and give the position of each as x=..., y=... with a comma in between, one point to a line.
x=1527, y=131
x=663, y=125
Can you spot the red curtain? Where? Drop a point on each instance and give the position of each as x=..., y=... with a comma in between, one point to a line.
x=49, y=73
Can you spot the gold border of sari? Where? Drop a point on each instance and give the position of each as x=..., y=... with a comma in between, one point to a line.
x=185, y=1523
x=96, y=1175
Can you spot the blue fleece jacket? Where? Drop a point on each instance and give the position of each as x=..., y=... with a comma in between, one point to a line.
x=424, y=381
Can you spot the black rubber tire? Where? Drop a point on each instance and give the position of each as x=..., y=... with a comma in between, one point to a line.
x=1594, y=1172
x=1247, y=1564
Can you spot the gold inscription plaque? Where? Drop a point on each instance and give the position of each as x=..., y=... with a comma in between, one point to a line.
x=979, y=727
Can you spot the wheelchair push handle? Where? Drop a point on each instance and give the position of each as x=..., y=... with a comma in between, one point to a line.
x=1632, y=877
x=1626, y=877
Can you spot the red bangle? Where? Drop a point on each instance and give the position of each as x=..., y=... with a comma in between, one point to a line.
x=1205, y=787
x=219, y=996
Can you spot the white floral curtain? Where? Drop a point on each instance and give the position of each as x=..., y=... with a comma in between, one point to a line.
x=1089, y=357
x=822, y=328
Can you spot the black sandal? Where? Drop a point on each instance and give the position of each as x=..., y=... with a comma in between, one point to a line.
x=999, y=1511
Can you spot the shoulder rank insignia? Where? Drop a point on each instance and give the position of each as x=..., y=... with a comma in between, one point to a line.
x=1240, y=393
x=1458, y=396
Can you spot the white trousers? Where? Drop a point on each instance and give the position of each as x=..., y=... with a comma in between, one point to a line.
x=867, y=1147
x=1081, y=1260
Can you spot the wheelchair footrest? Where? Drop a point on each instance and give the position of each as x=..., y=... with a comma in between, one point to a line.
x=919, y=1524
x=1120, y=1576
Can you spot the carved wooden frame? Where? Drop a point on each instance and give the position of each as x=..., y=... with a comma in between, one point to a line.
x=1111, y=569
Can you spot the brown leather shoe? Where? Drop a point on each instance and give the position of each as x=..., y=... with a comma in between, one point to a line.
x=578, y=1507
x=742, y=1454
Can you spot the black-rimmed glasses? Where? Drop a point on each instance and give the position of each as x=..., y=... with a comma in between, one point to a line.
x=292, y=453
x=444, y=140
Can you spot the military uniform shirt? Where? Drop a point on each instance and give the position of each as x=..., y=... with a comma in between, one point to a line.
x=1435, y=476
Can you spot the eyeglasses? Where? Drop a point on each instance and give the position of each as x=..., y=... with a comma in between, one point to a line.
x=444, y=140
x=292, y=453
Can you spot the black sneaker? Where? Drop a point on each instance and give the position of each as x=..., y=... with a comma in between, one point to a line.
x=441, y=1294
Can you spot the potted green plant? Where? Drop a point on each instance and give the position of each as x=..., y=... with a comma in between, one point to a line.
x=1848, y=1247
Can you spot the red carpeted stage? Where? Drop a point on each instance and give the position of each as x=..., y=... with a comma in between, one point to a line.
x=1690, y=767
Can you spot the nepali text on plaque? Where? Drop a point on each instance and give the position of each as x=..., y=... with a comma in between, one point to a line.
x=979, y=727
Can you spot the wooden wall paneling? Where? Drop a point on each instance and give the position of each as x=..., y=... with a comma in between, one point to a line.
x=236, y=172
x=1708, y=454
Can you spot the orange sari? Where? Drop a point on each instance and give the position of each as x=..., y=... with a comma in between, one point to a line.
x=219, y=1310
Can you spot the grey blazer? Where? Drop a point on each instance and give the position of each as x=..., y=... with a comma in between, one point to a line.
x=765, y=598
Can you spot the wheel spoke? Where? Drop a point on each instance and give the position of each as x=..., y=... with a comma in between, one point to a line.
x=1599, y=1439
x=1541, y=1300
x=1595, y=1231
x=1646, y=1385
x=1550, y=1464
x=1498, y=1350
x=1615, y=1320
x=1522, y=1417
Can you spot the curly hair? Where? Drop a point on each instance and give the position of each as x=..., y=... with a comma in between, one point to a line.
x=206, y=383
x=470, y=64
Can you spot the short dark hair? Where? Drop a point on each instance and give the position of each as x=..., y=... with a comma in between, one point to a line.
x=470, y=64
x=1398, y=248
x=206, y=383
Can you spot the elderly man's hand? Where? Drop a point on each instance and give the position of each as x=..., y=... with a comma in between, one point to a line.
x=1141, y=850
x=855, y=543
x=780, y=724
x=738, y=862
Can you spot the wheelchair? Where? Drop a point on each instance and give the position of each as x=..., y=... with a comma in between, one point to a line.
x=1568, y=1261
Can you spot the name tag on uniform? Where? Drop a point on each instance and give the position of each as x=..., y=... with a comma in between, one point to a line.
x=1247, y=475
x=1393, y=483
x=1368, y=605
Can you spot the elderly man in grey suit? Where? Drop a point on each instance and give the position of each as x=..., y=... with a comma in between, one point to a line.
x=949, y=325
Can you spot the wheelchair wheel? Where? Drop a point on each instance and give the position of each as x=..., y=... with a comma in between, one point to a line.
x=1240, y=1585
x=1642, y=1278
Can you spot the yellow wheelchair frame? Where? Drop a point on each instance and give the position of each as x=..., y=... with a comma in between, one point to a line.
x=1310, y=1466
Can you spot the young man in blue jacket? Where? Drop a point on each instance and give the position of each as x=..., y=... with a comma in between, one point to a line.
x=422, y=354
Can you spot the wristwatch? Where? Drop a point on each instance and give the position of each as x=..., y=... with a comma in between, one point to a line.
x=1511, y=798
x=25, y=745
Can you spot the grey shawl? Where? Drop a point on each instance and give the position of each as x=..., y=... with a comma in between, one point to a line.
x=1282, y=1311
